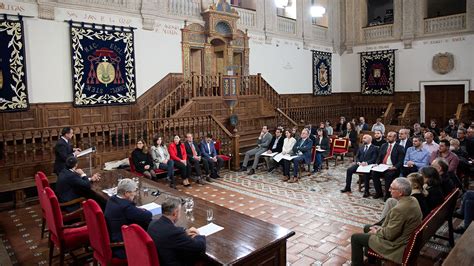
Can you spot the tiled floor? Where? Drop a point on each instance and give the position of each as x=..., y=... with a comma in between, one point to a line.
x=322, y=218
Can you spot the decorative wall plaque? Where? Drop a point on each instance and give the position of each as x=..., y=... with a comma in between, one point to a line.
x=443, y=63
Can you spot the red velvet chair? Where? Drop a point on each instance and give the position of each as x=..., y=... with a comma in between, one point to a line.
x=132, y=167
x=226, y=158
x=139, y=246
x=341, y=147
x=41, y=183
x=99, y=235
x=331, y=153
x=65, y=237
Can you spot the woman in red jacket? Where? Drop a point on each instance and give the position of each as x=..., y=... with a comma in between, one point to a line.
x=178, y=155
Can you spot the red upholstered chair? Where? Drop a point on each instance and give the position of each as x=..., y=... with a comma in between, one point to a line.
x=132, y=167
x=65, y=237
x=226, y=158
x=331, y=153
x=41, y=183
x=139, y=246
x=341, y=147
x=99, y=235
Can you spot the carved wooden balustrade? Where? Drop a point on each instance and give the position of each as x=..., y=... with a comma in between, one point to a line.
x=387, y=116
x=410, y=115
x=316, y=114
x=368, y=110
x=463, y=112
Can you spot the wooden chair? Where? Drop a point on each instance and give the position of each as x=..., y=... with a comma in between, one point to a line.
x=224, y=157
x=331, y=153
x=139, y=246
x=66, y=238
x=341, y=147
x=99, y=235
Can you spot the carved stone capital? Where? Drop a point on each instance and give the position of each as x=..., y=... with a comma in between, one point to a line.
x=45, y=11
x=148, y=23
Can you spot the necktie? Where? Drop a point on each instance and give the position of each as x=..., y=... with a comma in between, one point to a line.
x=193, y=149
x=209, y=148
x=389, y=150
x=365, y=149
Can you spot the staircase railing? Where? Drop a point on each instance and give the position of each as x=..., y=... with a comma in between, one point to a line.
x=410, y=115
x=388, y=114
x=462, y=112
x=282, y=116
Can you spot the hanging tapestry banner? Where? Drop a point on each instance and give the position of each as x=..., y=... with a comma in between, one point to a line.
x=103, y=65
x=322, y=73
x=13, y=90
x=377, y=72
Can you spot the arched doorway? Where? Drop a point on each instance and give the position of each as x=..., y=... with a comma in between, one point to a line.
x=219, y=62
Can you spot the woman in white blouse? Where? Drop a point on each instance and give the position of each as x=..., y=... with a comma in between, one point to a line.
x=161, y=159
x=288, y=144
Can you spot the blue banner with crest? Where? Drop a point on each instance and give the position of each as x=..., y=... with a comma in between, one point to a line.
x=322, y=73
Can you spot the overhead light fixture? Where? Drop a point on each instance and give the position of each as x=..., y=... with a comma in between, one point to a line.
x=317, y=11
x=282, y=3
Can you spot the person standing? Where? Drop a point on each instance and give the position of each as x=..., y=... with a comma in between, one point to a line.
x=63, y=149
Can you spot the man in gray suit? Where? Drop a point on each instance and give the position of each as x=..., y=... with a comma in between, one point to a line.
x=263, y=142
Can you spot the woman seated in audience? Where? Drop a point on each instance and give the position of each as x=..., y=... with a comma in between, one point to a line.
x=321, y=142
x=178, y=155
x=162, y=159
x=287, y=149
x=351, y=134
x=295, y=133
x=329, y=128
x=447, y=184
x=433, y=187
x=142, y=160
x=121, y=210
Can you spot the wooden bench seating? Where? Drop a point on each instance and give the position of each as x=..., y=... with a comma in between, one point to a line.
x=427, y=229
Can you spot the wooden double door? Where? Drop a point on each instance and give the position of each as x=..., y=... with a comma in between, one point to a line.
x=441, y=102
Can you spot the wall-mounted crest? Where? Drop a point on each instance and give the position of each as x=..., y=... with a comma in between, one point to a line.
x=443, y=63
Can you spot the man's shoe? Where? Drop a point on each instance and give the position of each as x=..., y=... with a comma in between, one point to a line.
x=377, y=196
x=366, y=195
x=243, y=169
x=200, y=181
x=345, y=190
x=459, y=230
x=251, y=172
x=285, y=178
x=208, y=179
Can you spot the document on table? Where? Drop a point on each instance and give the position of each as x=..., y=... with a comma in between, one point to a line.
x=320, y=150
x=269, y=154
x=280, y=156
x=365, y=169
x=153, y=207
x=110, y=191
x=209, y=229
x=381, y=168
x=84, y=152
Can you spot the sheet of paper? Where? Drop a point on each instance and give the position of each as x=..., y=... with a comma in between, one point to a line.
x=320, y=150
x=209, y=229
x=110, y=191
x=380, y=168
x=84, y=152
x=364, y=169
x=278, y=157
x=153, y=207
x=269, y=154
x=289, y=157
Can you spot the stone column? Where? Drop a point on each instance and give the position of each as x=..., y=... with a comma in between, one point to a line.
x=260, y=10
x=270, y=15
x=46, y=9
x=350, y=21
x=336, y=29
x=409, y=23
x=421, y=12
x=470, y=15
x=397, y=19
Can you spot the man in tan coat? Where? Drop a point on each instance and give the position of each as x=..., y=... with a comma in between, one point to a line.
x=390, y=239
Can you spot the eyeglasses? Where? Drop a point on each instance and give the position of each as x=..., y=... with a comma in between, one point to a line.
x=393, y=188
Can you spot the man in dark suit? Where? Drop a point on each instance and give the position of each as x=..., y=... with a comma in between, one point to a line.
x=276, y=145
x=73, y=183
x=209, y=154
x=403, y=139
x=302, y=149
x=175, y=245
x=194, y=158
x=121, y=210
x=366, y=155
x=63, y=149
x=390, y=154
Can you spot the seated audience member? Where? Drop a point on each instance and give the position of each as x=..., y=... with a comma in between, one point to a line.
x=63, y=149
x=162, y=160
x=341, y=125
x=467, y=211
x=451, y=129
x=379, y=139
x=351, y=134
x=322, y=125
x=121, y=210
x=415, y=158
x=193, y=154
x=329, y=128
x=142, y=160
x=470, y=133
x=433, y=187
x=302, y=149
x=209, y=153
x=444, y=135
x=312, y=130
x=321, y=142
x=73, y=183
x=445, y=153
x=362, y=125
x=465, y=144
x=433, y=127
x=287, y=149
x=447, y=183
x=464, y=165
x=178, y=155
x=429, y=143
x=378, y=126
x=263, y=142
x=417, y=132
x=295, y=133
x=390, y=154
x=276, y=145
x=175, y=245
x=390, y=239
x=403, y=139
x=366, y=155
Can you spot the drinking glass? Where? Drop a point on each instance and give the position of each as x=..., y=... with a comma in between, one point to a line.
x=188, y=205
x=210, y=215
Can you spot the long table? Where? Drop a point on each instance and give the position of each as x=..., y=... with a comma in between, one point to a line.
x=462, y=253
x=244, y=240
